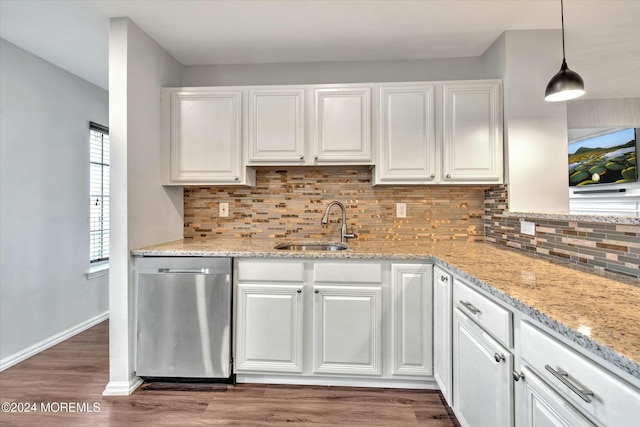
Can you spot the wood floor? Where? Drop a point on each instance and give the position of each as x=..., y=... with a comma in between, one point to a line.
x=72, y=375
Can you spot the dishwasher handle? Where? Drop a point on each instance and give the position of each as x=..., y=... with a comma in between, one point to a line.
x=185, y=271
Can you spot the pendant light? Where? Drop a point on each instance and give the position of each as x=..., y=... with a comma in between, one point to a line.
x=566, y=84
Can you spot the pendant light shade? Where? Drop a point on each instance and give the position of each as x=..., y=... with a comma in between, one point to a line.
x=566, y=84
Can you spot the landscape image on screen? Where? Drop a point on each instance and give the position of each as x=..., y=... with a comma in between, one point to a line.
x=604, y=159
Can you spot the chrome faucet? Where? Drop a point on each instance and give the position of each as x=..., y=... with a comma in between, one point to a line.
x=343, y=231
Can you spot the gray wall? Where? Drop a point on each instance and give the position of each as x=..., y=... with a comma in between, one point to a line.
x=332, y=72
x=44, y=201
x=535, y=130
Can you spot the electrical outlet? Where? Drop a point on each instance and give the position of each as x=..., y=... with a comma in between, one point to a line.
x=528, y=228
x=401, y=210
x=224, y=209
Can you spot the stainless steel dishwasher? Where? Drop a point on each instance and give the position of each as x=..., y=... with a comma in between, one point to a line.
x=183, y=318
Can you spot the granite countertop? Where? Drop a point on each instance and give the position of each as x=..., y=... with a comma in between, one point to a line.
x=599, y=312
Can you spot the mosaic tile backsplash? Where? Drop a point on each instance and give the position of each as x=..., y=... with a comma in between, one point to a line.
x=602, y=246
x=288, y=203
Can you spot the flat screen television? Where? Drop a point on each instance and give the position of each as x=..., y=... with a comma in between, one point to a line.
x=606, y=157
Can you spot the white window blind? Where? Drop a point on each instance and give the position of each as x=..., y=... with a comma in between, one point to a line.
x=99, y=193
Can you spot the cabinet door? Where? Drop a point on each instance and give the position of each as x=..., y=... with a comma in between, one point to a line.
x=347, y=330
x=442, y=331
x=269, y=328
x=276, y=125
x=472, y=132
x=540, y=406
x=407, y=137
x=205, y=137
x=342, y=125
x=411, y=330
x=482, y=368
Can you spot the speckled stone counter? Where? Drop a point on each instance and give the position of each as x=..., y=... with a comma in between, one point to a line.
x=599, y=312
x=608, y=219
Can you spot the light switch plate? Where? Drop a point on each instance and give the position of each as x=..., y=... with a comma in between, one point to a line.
x=528, y=228
x=401, y=210
x=224, y=209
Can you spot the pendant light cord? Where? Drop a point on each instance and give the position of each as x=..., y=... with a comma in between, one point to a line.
x=562, y=19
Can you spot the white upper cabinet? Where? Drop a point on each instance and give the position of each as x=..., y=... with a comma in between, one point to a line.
x=276, y=125
x=202, y=137
x=472, y=132
x=406, y=134
x=342, y=125
x=423, y=132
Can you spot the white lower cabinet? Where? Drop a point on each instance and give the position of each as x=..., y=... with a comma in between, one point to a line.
x=347, y=330
x=482, y=376
x=540, y=406
x=269, y=328
x=551, y=383
x=334, y=322
x=442, y=331
x=411, y=320
x=580, y=386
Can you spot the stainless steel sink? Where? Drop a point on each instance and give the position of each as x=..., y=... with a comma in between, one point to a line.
x=312, y=246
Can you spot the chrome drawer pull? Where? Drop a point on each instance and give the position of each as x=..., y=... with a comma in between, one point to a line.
x=444, y=278
x=499, y=357
x=470, y=307
x=184, y=270
x=560, y=375
x=518, y=376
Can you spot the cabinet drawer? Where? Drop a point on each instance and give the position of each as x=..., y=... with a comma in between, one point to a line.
x=359, y=272
x=270, y=271
x=492, y=317
x=613, y=402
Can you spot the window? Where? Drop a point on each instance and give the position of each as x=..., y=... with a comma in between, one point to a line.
x=99, y=194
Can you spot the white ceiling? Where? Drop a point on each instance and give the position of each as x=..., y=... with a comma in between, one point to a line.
x=602, y=36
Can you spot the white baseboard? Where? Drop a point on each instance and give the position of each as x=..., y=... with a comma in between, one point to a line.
x=18, y=357
x=122, y=388
x=422, y=384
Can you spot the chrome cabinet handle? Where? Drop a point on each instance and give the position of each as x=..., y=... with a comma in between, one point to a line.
x=301, y=157
x=560, y=375
x=184, y=270
x=499, y=357
x=236, y=178
x=315, y=291
x=518, y=376
x=433, y=175
x=299, y=291
x=315, y=158
x=444, y=278
x=470, y=307
x=448, y=175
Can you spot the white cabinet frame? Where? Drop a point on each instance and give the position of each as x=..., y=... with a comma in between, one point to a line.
x=276, y=125
x=412, y=324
